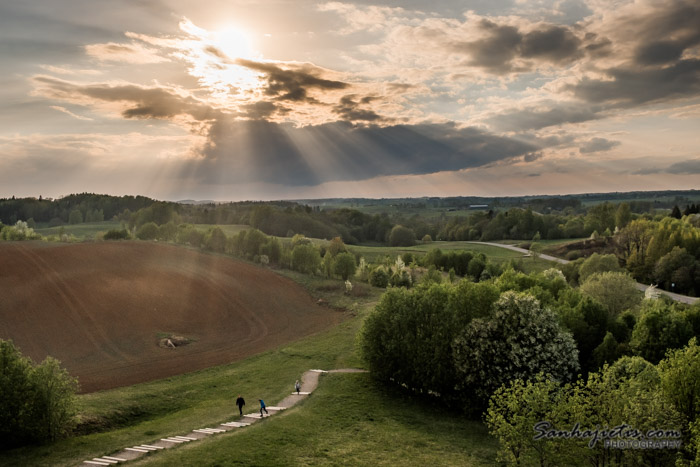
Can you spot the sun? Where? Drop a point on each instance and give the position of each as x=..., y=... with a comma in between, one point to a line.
x=233, y=41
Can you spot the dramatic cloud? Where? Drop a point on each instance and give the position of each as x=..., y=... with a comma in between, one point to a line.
x=597, y=145
x=685, y=167
x=282, y=154
x=302, y=97
x=285, y=83
x=138, y=102
x=535, y=119
x=501, y=45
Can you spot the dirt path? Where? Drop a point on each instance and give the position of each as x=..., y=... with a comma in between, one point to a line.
x=309, y=382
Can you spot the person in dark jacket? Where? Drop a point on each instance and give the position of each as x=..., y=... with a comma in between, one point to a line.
x=262, y=407
x=297, y=386
x=240, y=402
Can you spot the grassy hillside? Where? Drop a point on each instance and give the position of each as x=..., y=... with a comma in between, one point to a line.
x=348, y=416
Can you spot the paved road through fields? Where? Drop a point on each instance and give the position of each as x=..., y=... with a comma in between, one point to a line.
x=640, y=286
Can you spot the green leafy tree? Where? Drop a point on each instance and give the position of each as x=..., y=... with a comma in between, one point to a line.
x=37, y=403
x=615, y=290
x=680, y=379
x=54, y=403
x=75, y=217
x=402, y=236
x=623, y=215
x=306, y=259
x=518, y=341
x=378, y=277
x=337, y=246
x=660, y=327
x=148, y=231
x=598, y=263
x=344, y=265
x=515, y=409
x=215, y=240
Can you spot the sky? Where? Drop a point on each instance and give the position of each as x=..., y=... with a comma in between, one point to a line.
x=292, y=99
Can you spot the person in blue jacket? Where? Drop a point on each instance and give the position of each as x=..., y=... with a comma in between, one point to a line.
x=262, y=407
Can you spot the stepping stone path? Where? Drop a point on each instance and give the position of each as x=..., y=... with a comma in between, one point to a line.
x=309, y=381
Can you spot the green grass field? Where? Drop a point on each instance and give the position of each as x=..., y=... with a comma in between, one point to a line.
x=80, y=231
x=374, y=254
x=349, y=420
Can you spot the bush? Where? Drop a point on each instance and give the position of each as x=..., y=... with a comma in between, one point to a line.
x=306, y=258
x=116, y=234
x=37, y=403
x=148, y=231
x=215, y=240
x=402, y=236
x=379, y=278
x=344, y=265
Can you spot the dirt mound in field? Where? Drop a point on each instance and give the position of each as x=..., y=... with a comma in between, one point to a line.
x=103, y=308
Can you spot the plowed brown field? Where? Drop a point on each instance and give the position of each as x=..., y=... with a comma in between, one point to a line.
x=98, y=308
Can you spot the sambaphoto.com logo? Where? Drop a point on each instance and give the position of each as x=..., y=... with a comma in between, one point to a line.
x=618, y=437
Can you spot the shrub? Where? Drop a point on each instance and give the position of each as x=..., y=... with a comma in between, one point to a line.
x=37, y=403
x=116, y=234
x=344, y=265
x=379, y=278
x=402, y=236
x=148, y=231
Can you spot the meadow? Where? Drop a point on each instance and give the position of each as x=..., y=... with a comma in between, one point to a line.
x=349, y=417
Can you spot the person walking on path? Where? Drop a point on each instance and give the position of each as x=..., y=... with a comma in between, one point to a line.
x=240, y=402
x=263, y=407
x=297, y=386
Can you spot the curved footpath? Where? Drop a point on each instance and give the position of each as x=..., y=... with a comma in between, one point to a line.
x=640, y=286
x=309, y=382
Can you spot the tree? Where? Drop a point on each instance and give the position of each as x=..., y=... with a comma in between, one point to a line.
x=598, y=263
x=215, y=240
x=680, y=380
x=427, y=239
x=344, y=265
x=75, y=217
x=616, y=291
x=378, y=277
x=676, y=212
x=37, y=403
x=518, y=341
x=148, y=231
x=623, y=215
x=514, y=409
x=677, y=267
x=306, y=259
x=54, y=400
x=402, y=236
x=336, y=246
x=660, y=327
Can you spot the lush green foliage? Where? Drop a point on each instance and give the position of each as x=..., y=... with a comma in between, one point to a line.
x=615, y=290
x=517, y=340
x=629, y=392
x=36, y=401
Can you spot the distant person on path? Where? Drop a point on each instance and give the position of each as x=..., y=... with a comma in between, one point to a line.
x=240, y=402
x=262, y=407
x=297, y=386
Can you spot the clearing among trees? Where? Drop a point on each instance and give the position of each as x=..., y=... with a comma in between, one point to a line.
x=100, y=309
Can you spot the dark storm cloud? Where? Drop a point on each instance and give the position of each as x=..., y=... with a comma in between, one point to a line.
x=667, y=32
x=597, y=145
x=535, y=119
x=689, y=167
x=350, y=110
x=635, y=86
x=241, y=151
x=158, y=103
x=503, y=44
x=287, y=84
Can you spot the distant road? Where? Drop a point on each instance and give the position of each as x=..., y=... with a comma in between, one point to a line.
x=640, y=286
